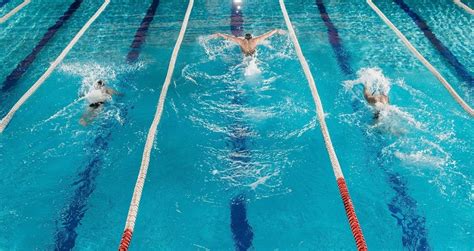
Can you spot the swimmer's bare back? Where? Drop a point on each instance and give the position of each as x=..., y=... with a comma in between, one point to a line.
x=91, y=113
x=94, y=109
x=249, y=45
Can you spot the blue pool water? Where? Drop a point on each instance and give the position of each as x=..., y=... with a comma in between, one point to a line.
x=239, y=161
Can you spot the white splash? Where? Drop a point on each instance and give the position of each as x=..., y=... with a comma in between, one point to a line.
x=251, y=66
x=90, y=73
x=419, y=152
x=390, y=118
x=372, y=78
x=395, y=121
x=97, y=95
x=214, y=47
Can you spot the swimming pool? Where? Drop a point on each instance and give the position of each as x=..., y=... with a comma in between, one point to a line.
x=239, y=161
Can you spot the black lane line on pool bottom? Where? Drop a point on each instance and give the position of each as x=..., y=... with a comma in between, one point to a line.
x=23, y=66
x=402, y=206
x=461, y=71
x=335, y=41
x=241, y=229
x=140, y=35
x=242, y=233
x=240, y=157
x=65, y=238
x=2, y=3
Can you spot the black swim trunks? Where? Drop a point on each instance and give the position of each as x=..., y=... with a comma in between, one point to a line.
x=96, y=105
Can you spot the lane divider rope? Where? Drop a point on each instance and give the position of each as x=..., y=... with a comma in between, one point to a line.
x=4, y=122
x=343, y=190
x=137, y=192
x=464, y=6
x=423, y=60
x=14, y=11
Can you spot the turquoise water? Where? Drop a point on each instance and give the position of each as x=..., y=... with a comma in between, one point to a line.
x=469, y=3
x=233, y=141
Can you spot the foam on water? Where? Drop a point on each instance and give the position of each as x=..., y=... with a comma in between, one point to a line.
x=394, y=120
x=420, y=152
x=95, y=95
x=215, y=47
x=251, y=66
x=284, y=50
x=372, y=78
x=90, y=73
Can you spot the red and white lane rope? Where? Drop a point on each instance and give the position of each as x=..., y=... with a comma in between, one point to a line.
x=4, y=122
x=464, y=6
x=14, y=11
x=423, y=60
x=137, y=192
x=349, y=207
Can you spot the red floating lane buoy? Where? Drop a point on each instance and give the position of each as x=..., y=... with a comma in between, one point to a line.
x=126, y=239
x=351, y=215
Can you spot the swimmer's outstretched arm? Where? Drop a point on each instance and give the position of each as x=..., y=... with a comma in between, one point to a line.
x=228, y=37
x=260, y=38
x=368, y=96
x=111, y=91
x=366, y=92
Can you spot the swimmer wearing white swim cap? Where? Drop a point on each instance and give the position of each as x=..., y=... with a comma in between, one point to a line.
x=96, y=98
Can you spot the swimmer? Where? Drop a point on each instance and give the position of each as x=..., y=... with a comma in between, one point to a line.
x=96, y=98
x=377, y=101
x=248, y=44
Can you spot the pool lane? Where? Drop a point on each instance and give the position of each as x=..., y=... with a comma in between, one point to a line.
x=85, y=183
x=191, y=184
x=402, y=206
x=24, y=65
x=240, y=155
x=65, y=237
x=461, y=71
x=397, y=214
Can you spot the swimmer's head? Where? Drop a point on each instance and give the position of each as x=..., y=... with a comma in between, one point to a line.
x=100, y=83
x=248, y=36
